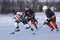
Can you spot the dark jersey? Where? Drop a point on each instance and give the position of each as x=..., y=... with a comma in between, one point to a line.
x=29, y=13
x=49, y=13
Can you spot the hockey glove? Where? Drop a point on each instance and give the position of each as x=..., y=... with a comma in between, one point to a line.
x=46, y=21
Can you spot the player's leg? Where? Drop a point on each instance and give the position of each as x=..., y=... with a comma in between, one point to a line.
x=48, y=24
x=34, y=23
x=54, y=24
x=17, y=27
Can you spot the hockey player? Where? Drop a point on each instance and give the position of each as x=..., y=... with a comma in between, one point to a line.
x=51, y=17
x=30, y=16
x=18, y=19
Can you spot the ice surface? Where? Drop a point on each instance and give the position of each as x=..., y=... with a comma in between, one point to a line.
x=7, y=26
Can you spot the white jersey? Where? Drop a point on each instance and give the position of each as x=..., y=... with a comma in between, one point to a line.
x=18, y=16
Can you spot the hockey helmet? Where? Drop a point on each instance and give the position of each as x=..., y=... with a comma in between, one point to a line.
x=45, y=8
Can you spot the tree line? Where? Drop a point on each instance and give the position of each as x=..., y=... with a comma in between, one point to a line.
x=6, y=7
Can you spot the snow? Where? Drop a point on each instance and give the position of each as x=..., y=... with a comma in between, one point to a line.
x=44, y=33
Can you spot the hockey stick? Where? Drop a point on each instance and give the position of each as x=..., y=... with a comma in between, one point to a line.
x=37, y=29
x=14, y=32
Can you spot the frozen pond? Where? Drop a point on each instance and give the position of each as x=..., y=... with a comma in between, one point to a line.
x=7, y=26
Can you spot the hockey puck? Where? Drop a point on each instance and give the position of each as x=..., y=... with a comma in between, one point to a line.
x=33, y=33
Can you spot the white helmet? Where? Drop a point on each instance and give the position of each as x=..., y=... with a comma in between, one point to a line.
x=45, y=7
x=19, y=13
